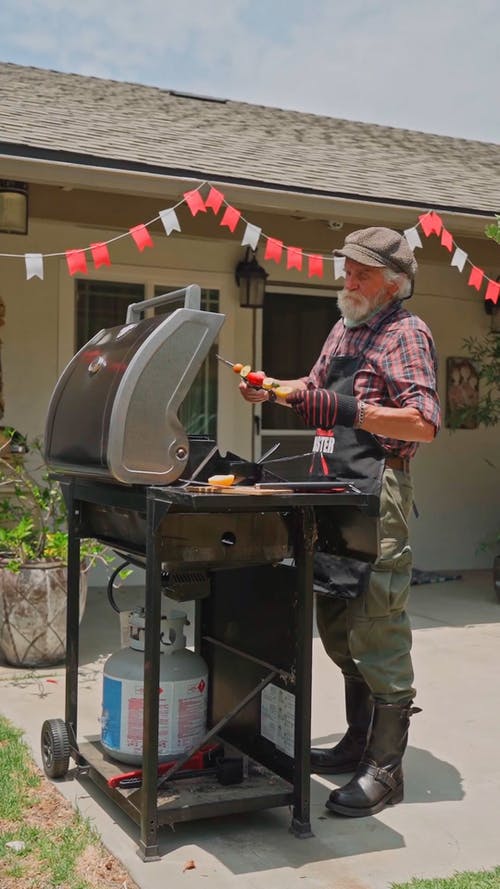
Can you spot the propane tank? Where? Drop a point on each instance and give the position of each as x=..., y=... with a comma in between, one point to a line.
x=182, y=693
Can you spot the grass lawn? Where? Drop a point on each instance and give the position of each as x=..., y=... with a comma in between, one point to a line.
x=44, y=843
x=467, y=880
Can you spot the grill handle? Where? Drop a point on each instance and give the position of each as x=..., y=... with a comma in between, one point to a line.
x=192, y=300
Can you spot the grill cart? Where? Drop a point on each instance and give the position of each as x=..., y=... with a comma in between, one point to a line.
x=134, y=480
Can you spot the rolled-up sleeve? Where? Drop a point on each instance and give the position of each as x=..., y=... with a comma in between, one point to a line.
x=410, y=371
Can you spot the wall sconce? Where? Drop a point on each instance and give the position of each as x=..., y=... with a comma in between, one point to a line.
x=13, y=207
x=493, y=310
x=251, y=280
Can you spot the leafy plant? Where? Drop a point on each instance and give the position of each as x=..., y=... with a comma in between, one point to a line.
x=492, y=230
x=33, y=512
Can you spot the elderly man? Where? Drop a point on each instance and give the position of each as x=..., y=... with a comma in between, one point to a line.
x=374, y=386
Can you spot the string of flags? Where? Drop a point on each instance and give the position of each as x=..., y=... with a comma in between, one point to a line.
x=429, y=223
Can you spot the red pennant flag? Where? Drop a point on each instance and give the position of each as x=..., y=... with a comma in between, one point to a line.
x=214, y=200
x=294, y=258
x=76, y=261
x=427, y=224
x=100, y=255
x=493, y=291
x=141, y=236
x=446, y=239
x=315, y=266
x=274, y=249
x=437, y=223
x=476, y=277
x=195, y=202
x=231, y=218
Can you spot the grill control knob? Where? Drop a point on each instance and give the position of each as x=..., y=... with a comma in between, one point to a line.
x=96, y=365
x=181, y=453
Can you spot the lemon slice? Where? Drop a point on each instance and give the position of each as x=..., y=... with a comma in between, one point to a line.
x=269, y=383
x=283, y=391
x=225, y=481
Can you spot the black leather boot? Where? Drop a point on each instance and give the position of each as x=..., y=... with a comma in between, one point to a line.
x=378, y=781
x=345, y=756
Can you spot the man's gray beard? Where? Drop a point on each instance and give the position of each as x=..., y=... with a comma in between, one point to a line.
x=360, y=308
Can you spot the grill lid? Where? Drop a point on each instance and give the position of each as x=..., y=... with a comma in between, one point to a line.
x=113, y=412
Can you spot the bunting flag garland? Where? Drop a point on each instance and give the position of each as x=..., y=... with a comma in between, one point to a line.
x=251, y=236
x=338, y=266
x=274, y=249
x=215, y=200
x=100, y=255
x=76, y=261
x=315, y=266
x=493, y=291
x=413, y=238
x=170, y=221
x=294, y=258
x=475, y=278
x=141, y=236
x=429, y=223
x=195, y=202
x=231, y=218
x=459, y=259
x=34, y=265
x=446, y=239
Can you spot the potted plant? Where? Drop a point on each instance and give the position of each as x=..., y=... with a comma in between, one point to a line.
x=33, y=557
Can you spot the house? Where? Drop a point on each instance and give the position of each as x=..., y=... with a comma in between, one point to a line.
x=101, y=157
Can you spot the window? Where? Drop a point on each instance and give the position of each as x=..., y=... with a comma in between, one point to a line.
x=103, y=304
x=294, y=330
x=198, y=412
x=295, y=326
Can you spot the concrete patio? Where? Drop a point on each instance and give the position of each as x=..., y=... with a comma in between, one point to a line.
x=448, y=821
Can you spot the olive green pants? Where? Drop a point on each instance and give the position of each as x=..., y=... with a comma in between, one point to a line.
x=371, y=635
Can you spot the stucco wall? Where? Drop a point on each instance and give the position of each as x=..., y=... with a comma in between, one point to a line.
x=457, y=491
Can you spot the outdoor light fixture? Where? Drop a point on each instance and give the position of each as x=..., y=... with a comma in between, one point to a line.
x=493, y=310
x=251, y=279
x=13, y=207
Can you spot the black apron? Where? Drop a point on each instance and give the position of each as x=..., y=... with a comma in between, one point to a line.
x=351, y=455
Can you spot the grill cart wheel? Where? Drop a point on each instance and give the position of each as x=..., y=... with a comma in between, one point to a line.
x=55, y=748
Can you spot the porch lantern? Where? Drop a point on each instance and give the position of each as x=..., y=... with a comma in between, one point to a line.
x=13, y=207
x=251, y=280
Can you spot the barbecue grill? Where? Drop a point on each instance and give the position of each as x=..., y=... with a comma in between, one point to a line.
x=133, y=479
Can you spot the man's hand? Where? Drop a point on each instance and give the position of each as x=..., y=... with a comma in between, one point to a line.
x=323, y=408
x=254, y=396
x=272, y=390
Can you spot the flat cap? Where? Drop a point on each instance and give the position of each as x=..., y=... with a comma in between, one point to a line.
x=380, y=247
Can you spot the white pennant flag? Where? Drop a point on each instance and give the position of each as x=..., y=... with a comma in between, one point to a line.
x=338, y=266
x=170, y=221
x=34, y=265
x=413, y=237
x=459, y=259
x=251, y=236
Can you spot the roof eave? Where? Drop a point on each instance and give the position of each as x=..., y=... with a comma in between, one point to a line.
x=66, y=169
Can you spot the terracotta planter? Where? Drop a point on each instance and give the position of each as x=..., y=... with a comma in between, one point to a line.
x=33, y=614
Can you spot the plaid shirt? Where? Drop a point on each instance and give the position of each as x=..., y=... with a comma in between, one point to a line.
x=398, y=369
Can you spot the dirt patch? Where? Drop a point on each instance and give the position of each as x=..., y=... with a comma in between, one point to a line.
x=50, y=810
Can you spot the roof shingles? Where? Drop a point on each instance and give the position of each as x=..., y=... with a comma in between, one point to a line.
x=49, y=111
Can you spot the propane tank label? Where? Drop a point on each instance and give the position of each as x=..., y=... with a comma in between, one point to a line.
x=182, y=711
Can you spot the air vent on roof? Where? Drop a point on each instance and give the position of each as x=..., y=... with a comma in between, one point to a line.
x=195, y=96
